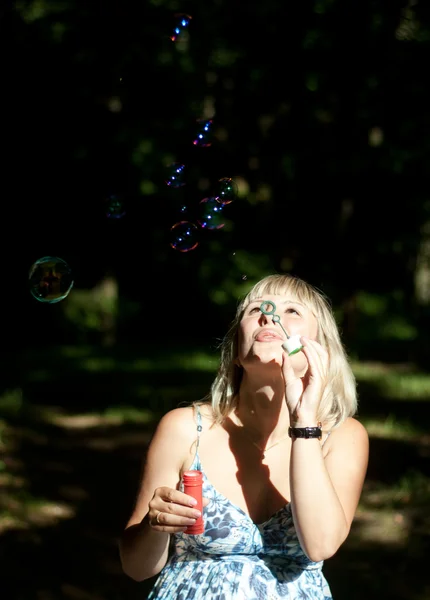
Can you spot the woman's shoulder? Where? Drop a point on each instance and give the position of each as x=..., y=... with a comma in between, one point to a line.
x=185, y=418
x=350, y=430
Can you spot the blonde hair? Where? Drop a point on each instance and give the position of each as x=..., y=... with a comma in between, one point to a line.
x=339, y=399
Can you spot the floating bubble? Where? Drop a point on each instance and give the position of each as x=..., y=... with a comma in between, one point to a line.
x=50, y=279
x=227, y=190
x=204, y=134
x=184, y=236
x=182, y=22
x=114, y=207
x=175, y=176
x=210, y=214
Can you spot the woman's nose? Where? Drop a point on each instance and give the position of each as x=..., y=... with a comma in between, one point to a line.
x=264, y=319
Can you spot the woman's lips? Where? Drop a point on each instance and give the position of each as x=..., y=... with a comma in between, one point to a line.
x=268, y=336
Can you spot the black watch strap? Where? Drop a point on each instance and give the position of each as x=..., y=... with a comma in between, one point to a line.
x=305, y=432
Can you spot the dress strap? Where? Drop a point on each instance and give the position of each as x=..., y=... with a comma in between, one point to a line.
x=196, y=461
x=199, y=426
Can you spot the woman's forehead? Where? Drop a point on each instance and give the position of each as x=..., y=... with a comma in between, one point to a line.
x=285, y=291
x=280, y=299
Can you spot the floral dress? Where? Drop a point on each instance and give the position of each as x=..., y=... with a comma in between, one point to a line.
x=237, y=559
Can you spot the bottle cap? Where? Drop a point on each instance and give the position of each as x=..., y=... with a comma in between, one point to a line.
x=292, y=345
x=193, y=478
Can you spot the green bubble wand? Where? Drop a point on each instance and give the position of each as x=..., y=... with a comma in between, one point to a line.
x=293, y=344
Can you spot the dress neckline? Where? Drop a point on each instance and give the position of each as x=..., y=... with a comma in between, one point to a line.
x=286, y=507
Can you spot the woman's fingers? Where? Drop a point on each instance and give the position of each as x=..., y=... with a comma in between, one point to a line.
x=316, y=355
x=172, y=511
x=169, y=522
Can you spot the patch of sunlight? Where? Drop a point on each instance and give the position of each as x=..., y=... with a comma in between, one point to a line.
x=413, y=489
x=412, y=386
x=39, y=9
x=192, y=361
x=394, y=381
x=25, y=513
x=21, y=510
x=75, y=351
x=110, y=417
x=129, y=414
x=369, y=370
x=391, y=428
x=99, y=364
x=386, y=527
x=11, y=401
x=397, y=328
x=189, y=361
x=197, y=361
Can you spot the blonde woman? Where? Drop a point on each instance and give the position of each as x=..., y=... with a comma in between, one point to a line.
x=282, y=456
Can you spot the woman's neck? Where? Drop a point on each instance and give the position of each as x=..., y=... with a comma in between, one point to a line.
x=261, y=409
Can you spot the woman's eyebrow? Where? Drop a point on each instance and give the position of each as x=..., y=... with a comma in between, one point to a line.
x=293, y=302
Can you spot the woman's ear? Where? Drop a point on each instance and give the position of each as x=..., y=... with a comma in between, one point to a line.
x=237, y=362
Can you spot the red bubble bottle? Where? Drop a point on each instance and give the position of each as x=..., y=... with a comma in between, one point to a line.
x=193, y=482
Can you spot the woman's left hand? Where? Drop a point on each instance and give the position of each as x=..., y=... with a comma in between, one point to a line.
x=304, y=393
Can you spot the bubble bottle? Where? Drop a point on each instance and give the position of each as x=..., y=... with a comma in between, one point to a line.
x=193, y=483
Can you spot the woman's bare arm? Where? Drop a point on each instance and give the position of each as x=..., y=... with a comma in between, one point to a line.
x=143, y=549
x=325, y=491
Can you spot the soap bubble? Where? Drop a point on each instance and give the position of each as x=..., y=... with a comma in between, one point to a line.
x=204, y=135
x=210, y=214
x=114, y=207
x=182, y=22
x=50, y=279
x=175, y=175
x=184, y=236
x=227, y=190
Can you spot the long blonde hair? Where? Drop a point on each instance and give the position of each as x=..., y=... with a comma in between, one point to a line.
x=339, y=399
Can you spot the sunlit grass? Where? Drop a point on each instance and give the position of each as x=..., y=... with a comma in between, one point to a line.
x=412, y=489
x=383, y=512
x=113, y=416
x=21, y=510
x=11, y=402
x=391, y=428
x=86, y=359
x=396, y=382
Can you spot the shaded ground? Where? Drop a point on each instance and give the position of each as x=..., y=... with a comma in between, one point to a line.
x=73, y=436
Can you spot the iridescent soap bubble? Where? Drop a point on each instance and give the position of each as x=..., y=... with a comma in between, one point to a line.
x=175, y=176
x=182, y=22
x=184, y=236
x=204, y=133
x=227, y=190
x=50, y=279
x=114, y=207
x=210, y=214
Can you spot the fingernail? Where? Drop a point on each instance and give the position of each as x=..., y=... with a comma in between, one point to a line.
x=193, y=502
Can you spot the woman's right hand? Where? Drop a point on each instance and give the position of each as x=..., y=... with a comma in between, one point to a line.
x=172, y=511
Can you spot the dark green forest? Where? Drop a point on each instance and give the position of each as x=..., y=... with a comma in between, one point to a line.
x=319, y=116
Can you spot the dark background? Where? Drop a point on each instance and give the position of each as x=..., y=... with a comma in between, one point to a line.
x=321, y=115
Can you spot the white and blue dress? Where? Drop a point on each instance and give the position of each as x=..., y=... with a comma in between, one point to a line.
x=237, y=559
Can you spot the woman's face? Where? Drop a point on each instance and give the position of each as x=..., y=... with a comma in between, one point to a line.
x=260, y=339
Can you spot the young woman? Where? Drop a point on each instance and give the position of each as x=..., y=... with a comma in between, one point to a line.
x=282, y=456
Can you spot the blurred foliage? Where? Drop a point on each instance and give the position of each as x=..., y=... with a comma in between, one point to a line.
x=320, y=114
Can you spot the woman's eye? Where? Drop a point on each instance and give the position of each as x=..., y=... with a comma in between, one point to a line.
x=292, y=310
x=254, y=309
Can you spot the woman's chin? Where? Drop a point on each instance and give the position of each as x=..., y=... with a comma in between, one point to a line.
x=271, y=356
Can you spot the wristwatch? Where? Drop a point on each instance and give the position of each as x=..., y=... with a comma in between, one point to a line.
x=305, y=432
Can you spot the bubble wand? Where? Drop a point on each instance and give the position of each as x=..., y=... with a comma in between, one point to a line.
x=293, y=344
